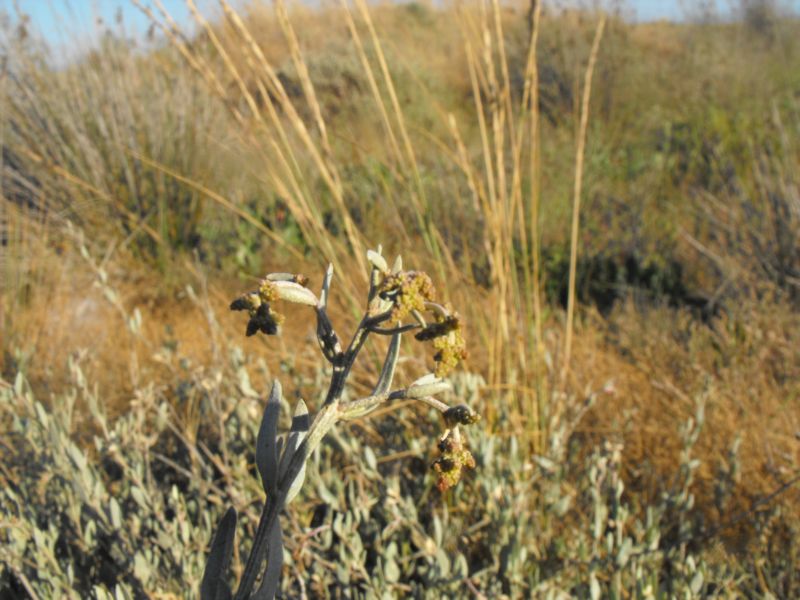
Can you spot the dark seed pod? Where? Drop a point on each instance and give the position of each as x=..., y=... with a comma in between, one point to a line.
x=265, y=320
x=241, y=303
x=460, y=415
x=443, y=465
x=447, y=444
x=435, y=330
x=253, y=327
x=269, y=327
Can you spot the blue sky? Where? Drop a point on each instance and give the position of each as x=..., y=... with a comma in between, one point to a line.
x=58, y=20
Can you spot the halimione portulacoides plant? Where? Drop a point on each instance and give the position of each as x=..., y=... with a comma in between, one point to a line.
x=398, y=302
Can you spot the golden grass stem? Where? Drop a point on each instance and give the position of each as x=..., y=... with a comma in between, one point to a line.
x=576, y=198
x=537, y=417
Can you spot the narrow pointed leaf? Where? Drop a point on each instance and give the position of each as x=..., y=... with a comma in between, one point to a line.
x=266, y=444
x=377, y=261
x=389, y=365
x=300, y=425
x=326, y=286
x=213, y=586
x=301, y=420
x=272, y=576
x=398, y=265
x=297, y=484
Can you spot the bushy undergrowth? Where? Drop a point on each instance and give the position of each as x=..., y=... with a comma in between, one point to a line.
x=126, y=506
x=133, y=514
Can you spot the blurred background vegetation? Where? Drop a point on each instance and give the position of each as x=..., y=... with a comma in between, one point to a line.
x=639, y=442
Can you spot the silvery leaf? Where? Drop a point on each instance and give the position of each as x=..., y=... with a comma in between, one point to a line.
x=266, y=444
x=294, y=292
x=427, y=386
x=272, y=576
x=377, y=261
x=300, y=424
x=389, y=364
x=398, y=265
x=297, y=484
x=326, y=287
x=213, y=586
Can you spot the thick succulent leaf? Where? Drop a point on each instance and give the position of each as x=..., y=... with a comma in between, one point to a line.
x=301, y=419
x=428, y=385
x=398, y=265
x=377, y=261
x=389, y=365
x=213, y=586
x=294, y=292
x=272, y=576
x=300, y=424
x=297, y=484
x=266, y=444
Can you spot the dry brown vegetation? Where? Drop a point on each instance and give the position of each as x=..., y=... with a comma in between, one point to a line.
x=287, y=138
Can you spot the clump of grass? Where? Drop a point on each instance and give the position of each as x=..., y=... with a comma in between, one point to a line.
x=92, y=142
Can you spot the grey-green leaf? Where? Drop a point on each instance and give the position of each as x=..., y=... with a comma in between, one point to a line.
x=326, y=287
x=389, y=365
x=297, y=484
x=266, y=444
x=300, y=425
x=272, y=576
x=213, y=586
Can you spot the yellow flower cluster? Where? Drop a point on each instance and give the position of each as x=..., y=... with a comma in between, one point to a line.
x=268, y=291
x=408, y=290
x=449, y=344
x=451, y=463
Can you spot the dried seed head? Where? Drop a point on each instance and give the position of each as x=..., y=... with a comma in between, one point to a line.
x=449, y=466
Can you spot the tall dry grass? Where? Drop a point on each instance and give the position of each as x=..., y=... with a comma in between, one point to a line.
x=499, y=182
x=153, y=155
